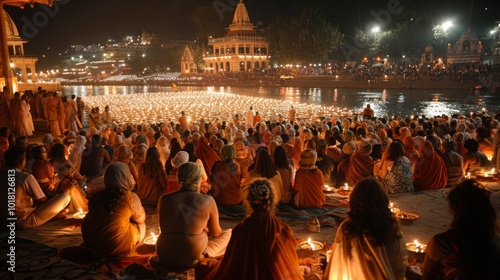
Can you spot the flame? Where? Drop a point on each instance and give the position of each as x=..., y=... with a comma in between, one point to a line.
x=154, y=237
x=80, y=210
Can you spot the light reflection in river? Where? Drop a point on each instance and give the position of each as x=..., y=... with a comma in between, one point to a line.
x=384, y=102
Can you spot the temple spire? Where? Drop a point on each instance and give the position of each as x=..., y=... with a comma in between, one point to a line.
x=241, y=20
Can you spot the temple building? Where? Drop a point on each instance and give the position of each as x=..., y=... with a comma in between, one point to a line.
x=468, y=49
x=188, y=65
x=428, y=55
x=243, y=48
x=18, y=60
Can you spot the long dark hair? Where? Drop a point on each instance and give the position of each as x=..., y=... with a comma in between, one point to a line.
x=395, y=150
x=189, y=148
x=369, y=214
x=474, y=222
x=280, y=158
x=264, y=165
x=151, y=167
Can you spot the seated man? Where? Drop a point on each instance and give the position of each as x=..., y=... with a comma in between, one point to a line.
x=189, y=223
x=309, y=182
x=32, y=206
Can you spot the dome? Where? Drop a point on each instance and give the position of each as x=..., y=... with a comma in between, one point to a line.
x=429, y=49
x=10, y=28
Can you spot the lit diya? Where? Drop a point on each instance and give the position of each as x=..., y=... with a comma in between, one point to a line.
x=345, y=190
x=310, y=245
x=79, y=215
x=328, y=189
x=416, y=250
x=151, y=240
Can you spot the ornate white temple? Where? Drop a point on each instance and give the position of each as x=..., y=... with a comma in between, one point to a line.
x=467, y=49
x=241, y=49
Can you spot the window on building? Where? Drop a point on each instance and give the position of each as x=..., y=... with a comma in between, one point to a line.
x=241, y=50
x=247, y=50
x=263, y=51
x=233, y=50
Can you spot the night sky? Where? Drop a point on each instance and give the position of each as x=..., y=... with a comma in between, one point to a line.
x=94, y=21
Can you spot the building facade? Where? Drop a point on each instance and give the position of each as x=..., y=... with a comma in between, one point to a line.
x=243, y=48
x=468, y=49
x=18, y=60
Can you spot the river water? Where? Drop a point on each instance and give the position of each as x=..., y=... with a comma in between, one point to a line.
x=391, y=102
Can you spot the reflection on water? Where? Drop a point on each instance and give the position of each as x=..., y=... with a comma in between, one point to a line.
x=384, y=102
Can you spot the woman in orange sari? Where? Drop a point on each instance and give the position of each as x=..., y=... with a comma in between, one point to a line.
x=206, y=154
x=152, y=178
x=261, y=246
x=429, y=172
x=116, y=219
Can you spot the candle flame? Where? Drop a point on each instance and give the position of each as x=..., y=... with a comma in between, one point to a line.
x=416, y=242
x=80, y=211
x=154, y=237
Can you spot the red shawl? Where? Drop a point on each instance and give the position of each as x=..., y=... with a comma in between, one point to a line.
x=206, y=154
x=430, y=170
x=309, y=186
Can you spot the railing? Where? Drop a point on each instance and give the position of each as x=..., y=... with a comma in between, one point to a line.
x=233, y=38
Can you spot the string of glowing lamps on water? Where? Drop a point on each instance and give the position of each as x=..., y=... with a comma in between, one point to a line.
x=166, y=106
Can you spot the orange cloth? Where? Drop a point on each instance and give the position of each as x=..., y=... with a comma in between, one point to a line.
x=309, y=186
x=261, y=247
x=430, y=170
x=150, y=189
x=206, y=154
x=173, y=184
x=110, y=234
x=256, y=119
x=225, y=181
x=360, y=167
x=410, y=152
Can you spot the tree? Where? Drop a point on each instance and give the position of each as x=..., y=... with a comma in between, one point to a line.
x=306, y=38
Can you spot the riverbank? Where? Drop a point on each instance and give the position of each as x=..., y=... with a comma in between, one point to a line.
x=344, y=82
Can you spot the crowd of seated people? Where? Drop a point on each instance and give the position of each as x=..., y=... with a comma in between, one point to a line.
x=298, y=159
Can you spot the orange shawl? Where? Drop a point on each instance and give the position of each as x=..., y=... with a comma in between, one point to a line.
x=360, y=167
x=309, y=186
x=206, y=154
x=430, y=170
x=261, y=247
x=173, y=184
x=410, y=152
x=225, y=181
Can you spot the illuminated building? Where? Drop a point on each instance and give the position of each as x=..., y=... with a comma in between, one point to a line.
x=243, y=48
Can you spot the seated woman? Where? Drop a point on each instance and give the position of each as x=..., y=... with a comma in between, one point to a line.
x=187, y=238
x=261, y=246
x=453, y=162
x=69, y=184
x=152, y=178
x=396, y=169
x=124, y=154
x=116, y=219
x=429, y=171
x=309, y=182
x=368, y=244
x=173, y=184
x=470, y=249
x=264, y=168
x=475, y=161
x=206, y=154
x=43, y=171
x=225, y=178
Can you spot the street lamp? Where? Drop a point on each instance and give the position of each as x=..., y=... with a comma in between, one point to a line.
x=445, y=26
x=375, y=30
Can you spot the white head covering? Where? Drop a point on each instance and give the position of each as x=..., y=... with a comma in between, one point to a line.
x=117, y=175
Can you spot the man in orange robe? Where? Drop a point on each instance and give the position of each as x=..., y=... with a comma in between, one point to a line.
x=309, y=182
x=430, y=170
x=206, y=154
x=360, y=164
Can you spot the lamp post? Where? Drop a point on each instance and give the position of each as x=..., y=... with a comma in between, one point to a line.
x=375, y=31
x=445, y=26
